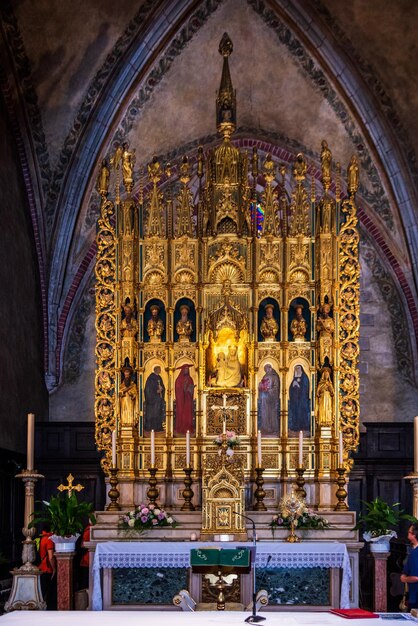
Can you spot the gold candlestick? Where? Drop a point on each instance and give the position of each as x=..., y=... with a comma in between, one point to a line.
x=341, y=491
x=153, y=492
x=187, y=491
x=259, y=493
x=113, y=491
x=300, y=481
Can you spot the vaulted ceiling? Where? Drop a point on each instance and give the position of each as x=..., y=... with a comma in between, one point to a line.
x=80, y=77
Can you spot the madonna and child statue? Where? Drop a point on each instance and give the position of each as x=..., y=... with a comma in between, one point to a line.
x=226, y=344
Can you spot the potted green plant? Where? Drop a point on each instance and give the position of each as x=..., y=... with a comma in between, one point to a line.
x=378, y=522
x=66, y=518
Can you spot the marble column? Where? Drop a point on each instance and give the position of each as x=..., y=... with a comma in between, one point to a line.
x=380, y=581
x=65, y=580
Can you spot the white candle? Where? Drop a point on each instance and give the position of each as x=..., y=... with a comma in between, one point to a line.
x=340, y=450
x=152, y=448
x=223, y=424
x=114, y=448
x=301, y=448
x=31, y=441
x=416, y=444
x=188, y=448
x=259, y=448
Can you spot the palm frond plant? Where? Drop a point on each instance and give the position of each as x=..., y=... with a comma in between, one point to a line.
x=380, y=519
x=64, y=514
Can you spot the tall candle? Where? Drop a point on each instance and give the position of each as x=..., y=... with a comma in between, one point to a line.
x=152, y=448
x=188, y=448
x=416, y=444
x=301, y=448
x=114, y=448
x=340, y=450
x=259, y=448
x=31, y=441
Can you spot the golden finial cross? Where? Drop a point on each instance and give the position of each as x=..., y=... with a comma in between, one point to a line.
x=70, y=487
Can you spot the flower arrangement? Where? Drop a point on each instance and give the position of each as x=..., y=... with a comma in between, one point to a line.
x=307, y=519
x=232, y=439
x=145, y=517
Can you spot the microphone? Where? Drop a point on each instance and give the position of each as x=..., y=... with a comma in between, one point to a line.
x=250, y=519
x=253, y=618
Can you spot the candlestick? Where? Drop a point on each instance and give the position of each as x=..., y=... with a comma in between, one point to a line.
x=341, y=491
x=26, y=589
x=113, y=491
x=152, y=448
x=153, y=491
x=259, y=493
x=340, y=450
x=114, y=448
x=259, y=448
x=300, y=482
x=416, y=444
x=188, y=448
x=187, y=491
x=301, y=448
x=30, y=441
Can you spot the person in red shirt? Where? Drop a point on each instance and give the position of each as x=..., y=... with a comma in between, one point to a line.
x=83, y=578
x=48, y=568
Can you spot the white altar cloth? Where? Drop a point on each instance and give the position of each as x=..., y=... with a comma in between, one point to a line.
x=113, y=554
x=178, y=618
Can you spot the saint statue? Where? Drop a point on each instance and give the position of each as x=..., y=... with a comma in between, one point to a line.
x=298, y=326
x=269, y=402
x=353, y=175
x=128, y=160
x=269, y=326
x=155, y=326
x=184, y=326
x=324, y=410
x=154, y=403
x=299, y=406
x=184, y=392
x=128, y=325
x=325, y=328
x=103, y=179
x=128, y=394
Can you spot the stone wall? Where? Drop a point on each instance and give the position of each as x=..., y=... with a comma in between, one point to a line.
x=22, y=387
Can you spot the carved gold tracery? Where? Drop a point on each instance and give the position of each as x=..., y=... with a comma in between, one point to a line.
x=213, y=256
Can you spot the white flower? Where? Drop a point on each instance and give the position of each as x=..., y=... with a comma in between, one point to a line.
x=131, y=523
x=170, y=520
x=156, y=511
x=131, y=513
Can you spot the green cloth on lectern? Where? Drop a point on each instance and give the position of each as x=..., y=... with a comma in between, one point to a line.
x=208, y=557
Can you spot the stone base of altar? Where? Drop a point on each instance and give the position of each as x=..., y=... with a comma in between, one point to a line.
x=117, y=582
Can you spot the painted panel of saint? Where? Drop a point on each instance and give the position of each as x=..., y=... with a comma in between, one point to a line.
x=299, y=404
x=269, y=402
x=184, y=392
x=154, y=402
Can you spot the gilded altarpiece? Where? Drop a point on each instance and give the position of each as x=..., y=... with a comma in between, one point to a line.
x=238, y=311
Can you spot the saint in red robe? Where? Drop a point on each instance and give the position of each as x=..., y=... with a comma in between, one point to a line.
x=184, y=388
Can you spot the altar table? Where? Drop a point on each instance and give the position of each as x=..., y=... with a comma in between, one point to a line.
x=114, y=554
x=201, y=618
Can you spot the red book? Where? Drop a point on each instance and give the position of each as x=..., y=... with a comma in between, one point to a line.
x=353, y=613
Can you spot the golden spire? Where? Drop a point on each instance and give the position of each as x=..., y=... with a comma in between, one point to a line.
x=225, y=102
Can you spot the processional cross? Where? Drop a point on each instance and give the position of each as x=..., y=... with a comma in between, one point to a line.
x=224, y=408
x=70, y=487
